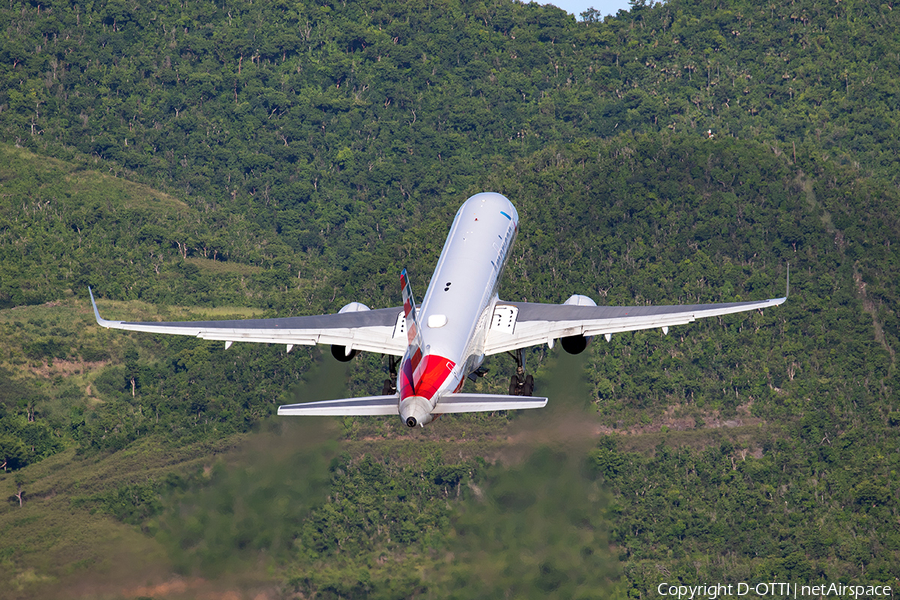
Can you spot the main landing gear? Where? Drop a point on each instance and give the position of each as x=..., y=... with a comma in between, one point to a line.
x=390, y=385
x=520, y=384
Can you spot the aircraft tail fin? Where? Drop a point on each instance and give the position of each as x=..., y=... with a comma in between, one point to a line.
x=413, y=334
x=460, y=403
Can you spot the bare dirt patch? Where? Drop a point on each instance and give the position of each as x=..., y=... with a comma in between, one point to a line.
x=65, y=368
x=195, y=587
x=673, y=421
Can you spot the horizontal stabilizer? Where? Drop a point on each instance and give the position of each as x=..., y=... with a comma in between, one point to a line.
x=389, y=405
x=461, y=403
x=365, y=407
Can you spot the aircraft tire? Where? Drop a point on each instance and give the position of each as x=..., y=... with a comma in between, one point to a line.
x=513, y=386
x=386, y=388
x=528, y=388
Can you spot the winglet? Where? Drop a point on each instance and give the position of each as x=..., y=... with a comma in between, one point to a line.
x=100, y=321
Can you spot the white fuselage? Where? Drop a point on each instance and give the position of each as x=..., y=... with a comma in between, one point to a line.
x=456, y=312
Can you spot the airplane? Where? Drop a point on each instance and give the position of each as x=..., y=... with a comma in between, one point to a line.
x=445, y=340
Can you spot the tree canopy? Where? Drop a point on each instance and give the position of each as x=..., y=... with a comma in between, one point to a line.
x=284, y=158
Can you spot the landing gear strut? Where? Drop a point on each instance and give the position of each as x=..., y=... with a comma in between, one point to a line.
x=389, y=387
x=520, y=384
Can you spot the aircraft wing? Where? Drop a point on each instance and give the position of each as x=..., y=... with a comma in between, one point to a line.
x=381, y=330
x=522, y=324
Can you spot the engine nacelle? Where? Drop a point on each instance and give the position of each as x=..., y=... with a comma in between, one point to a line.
x=359, y=307
x=576, y=344
x=342, y=353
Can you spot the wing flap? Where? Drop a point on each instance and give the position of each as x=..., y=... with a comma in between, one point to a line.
x=366, y=406
x=540, y=323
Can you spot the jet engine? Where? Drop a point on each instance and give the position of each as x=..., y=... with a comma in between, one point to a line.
x=343, y=353
x=576, y=344
x=340, y=353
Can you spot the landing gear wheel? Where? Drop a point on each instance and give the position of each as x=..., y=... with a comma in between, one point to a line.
x=528, y=388
x=389, y=387
x=520, y=384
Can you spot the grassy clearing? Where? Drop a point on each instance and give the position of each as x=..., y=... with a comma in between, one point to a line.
x=136, y=195
x=12, y=156
x=54, y=539
x=61, y=542
x=747, y=437
x=83, y=181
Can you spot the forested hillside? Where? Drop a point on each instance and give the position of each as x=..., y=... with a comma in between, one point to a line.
x=285, y=158
x=346, y=123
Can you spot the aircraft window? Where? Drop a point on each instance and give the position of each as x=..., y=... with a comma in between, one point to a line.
x=447, y=286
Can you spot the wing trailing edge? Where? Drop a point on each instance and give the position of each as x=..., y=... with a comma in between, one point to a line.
x=368, y=331
x=522, y=324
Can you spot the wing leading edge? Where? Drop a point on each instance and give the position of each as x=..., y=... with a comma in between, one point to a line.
x=524, y=324
x=367, y=330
